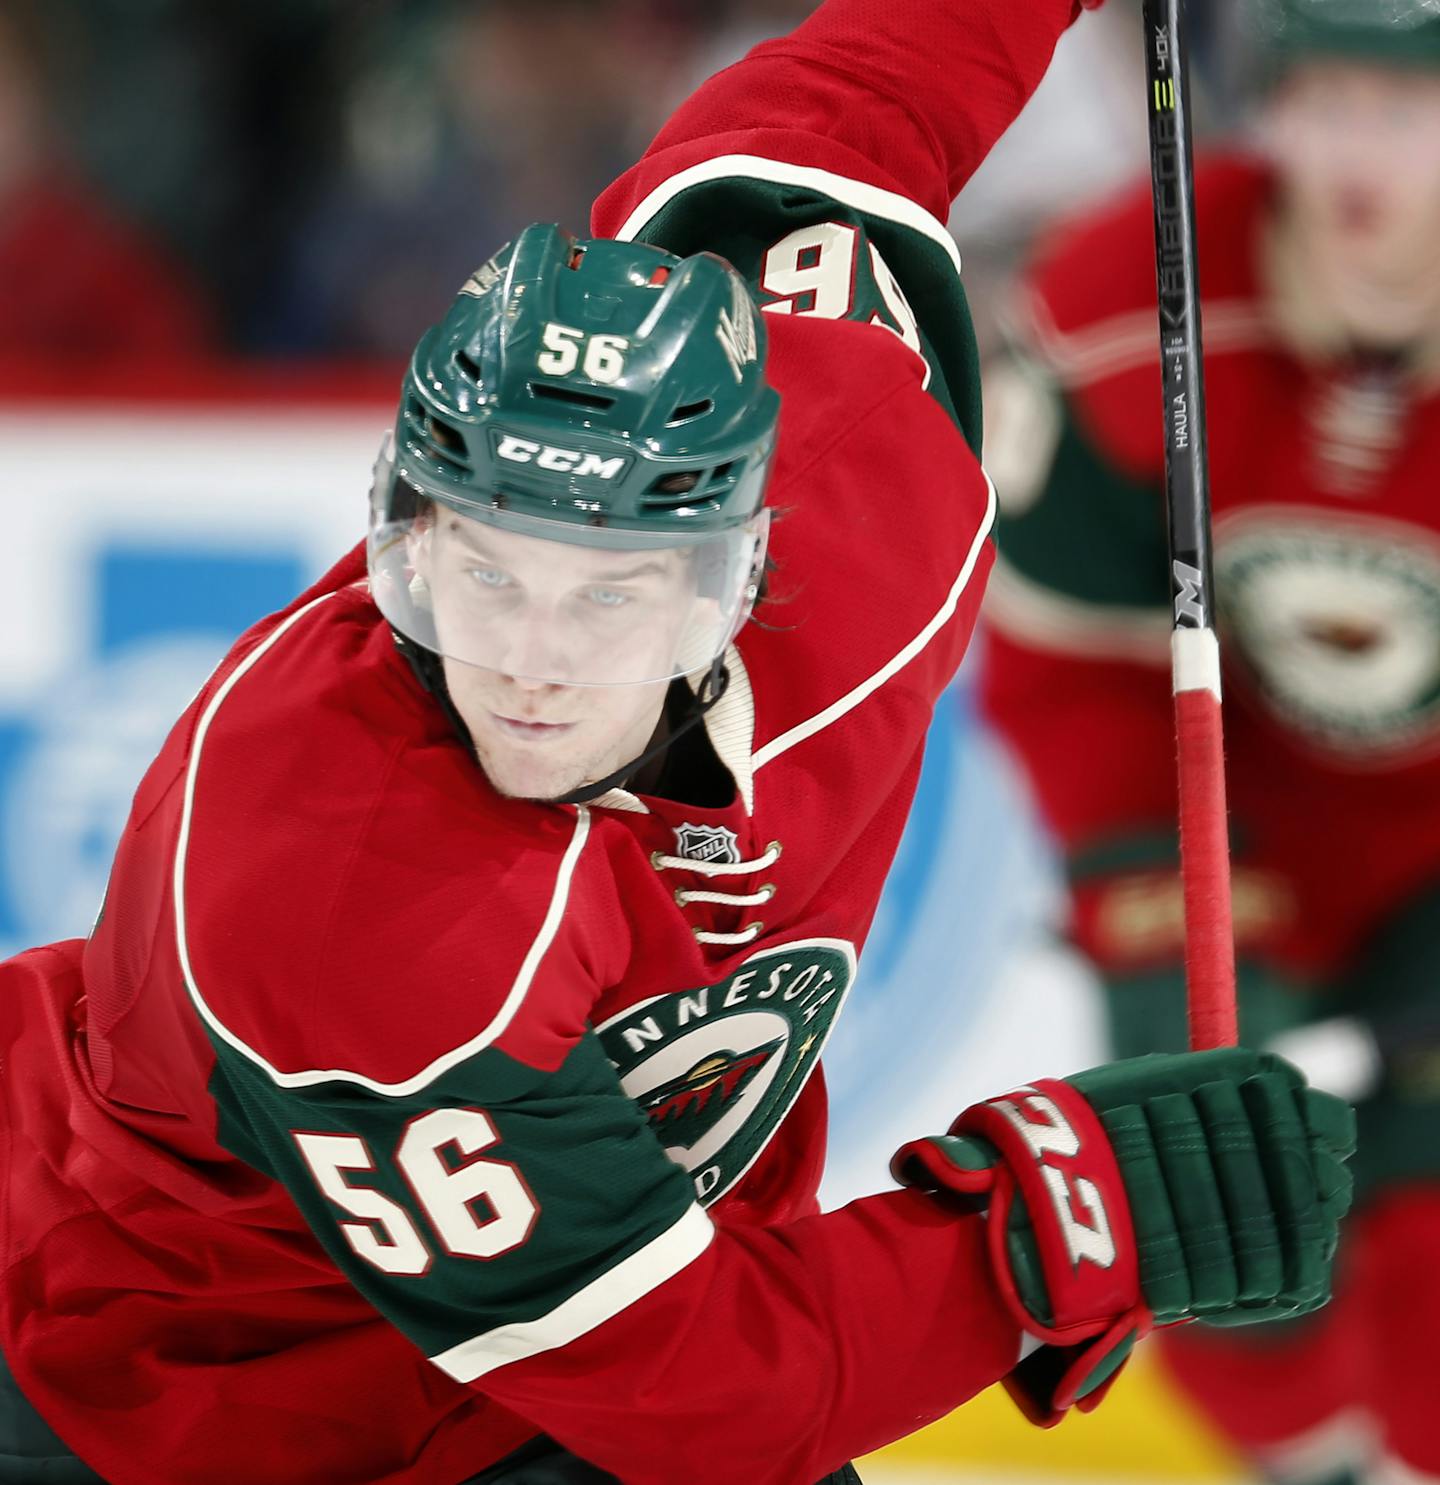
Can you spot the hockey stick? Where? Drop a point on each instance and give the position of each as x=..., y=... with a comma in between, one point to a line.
x=1195, y=652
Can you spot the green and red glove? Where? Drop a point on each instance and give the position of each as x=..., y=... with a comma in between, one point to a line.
x=1203, y=1186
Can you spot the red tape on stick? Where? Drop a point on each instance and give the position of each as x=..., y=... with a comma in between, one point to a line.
x=1205, y=871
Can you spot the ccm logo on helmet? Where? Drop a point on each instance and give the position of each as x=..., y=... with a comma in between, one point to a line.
x=560, y=461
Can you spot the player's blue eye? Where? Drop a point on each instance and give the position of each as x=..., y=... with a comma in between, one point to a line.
x=608, y=598
x=489, y=577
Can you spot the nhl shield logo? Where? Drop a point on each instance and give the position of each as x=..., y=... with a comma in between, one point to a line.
x=715, y=1070
x=706, y=843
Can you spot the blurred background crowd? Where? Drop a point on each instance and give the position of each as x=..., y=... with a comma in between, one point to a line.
x=305, y=177
x=312, y=178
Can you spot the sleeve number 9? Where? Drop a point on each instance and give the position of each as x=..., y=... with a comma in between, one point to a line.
x=812, y=271
x=477, y=1208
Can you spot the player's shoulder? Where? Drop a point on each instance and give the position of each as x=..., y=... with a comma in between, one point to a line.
x=833, y=374
x=857, y=418
x=817, y=232
x=882, y=515
x=1088, y=295
x=353, y=894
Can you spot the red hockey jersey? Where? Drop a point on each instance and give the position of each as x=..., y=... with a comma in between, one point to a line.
x=383, y=1122
x=1327, y=559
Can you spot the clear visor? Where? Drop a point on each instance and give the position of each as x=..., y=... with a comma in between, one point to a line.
x=520, y=596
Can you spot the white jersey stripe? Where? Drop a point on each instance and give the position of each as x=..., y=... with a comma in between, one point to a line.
x=600, y=1300
x=311, y=1076
x=897, y=662
x=889, y=205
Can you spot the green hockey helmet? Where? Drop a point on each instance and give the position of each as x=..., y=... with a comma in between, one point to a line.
x=573, y=491
x=1402, y=32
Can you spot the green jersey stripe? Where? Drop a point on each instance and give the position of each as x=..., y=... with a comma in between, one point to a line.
x=873, y=200
x=899, y=263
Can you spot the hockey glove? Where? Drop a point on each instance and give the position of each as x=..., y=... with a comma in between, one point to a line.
x=1206, y=1185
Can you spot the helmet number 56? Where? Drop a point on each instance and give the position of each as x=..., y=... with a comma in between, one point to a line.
x=600, y=357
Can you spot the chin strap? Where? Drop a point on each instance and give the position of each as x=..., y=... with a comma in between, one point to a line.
x=431, y=675
x=697, y=703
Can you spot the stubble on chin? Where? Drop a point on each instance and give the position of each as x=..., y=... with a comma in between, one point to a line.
x=542, y=771
x=520, y=778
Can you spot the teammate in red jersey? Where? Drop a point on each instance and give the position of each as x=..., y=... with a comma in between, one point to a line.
x=1320, y=275
x=437, y=1097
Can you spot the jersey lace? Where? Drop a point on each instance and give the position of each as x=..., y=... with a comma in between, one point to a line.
x=683, y=895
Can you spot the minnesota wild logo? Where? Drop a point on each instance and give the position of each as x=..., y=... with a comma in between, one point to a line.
x=691, y=1105
x=716, y=1069
x=1338, y=621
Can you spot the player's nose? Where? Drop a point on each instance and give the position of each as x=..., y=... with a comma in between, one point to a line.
x=535, y=653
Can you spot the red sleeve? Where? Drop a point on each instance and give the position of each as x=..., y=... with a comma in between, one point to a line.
x=781, y=1353
x=908, y=95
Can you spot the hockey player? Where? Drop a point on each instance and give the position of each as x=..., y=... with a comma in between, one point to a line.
x=436, y=1099
x=1320, y=273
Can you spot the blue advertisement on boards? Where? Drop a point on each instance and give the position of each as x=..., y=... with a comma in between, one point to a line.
x=70, y=759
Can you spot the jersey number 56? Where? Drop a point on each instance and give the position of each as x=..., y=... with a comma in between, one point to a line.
x=475, y=1208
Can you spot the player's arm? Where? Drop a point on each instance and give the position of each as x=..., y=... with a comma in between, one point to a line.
x=907, y=95
x=1077, y=612
x=522, y=1226
x=526, y=1230
x=823, y=166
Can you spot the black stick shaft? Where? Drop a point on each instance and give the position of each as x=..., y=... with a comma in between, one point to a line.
x=1187, y=473
x=1199, y=728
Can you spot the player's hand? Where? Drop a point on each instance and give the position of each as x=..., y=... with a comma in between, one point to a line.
x=1207, y=1185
